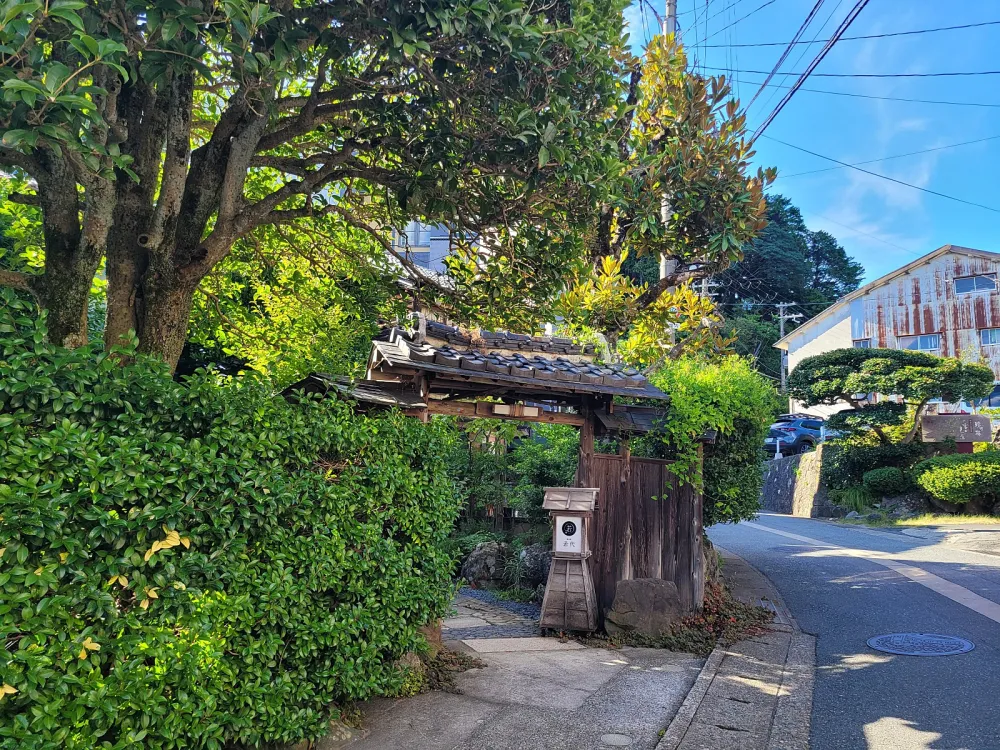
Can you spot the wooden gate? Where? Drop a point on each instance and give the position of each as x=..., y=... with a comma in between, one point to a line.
x=647, y=525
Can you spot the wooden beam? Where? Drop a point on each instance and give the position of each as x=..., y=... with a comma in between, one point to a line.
x=480, y=409
x=584, y=472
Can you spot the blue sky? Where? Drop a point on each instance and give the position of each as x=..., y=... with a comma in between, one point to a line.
x=881, y=224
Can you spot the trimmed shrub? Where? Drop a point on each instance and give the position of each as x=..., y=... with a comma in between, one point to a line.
x=961, y=478
x=887, y=481
x=846, y=463
x=201, y=564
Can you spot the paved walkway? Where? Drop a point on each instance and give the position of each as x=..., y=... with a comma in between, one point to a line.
x=534, y=694
x=480, y=614
x=756, y=694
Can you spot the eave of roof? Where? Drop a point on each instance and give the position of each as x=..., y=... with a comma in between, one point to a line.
x=782, y=343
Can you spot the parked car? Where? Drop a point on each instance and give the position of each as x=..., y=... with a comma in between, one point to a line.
x=798, y=433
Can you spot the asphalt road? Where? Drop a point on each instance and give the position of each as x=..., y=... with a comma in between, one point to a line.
x=865, y=699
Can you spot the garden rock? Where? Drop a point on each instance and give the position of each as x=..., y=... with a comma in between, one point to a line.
x=644, y=605
x=536, y=559
x=852, y=515
x=710, y=557
x=484, y=565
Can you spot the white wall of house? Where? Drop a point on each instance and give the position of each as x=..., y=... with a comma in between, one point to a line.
x=921, y=299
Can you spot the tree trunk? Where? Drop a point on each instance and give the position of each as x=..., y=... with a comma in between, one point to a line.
x=64, y=293
x=164, y=319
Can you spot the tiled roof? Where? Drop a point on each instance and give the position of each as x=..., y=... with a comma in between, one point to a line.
x=512, y=341
x=486, y=362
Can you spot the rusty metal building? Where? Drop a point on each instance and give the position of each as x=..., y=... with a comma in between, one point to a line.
x=946, y=302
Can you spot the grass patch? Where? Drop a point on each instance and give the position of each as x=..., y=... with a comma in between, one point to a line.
x=723, y=620
x=944, y=519
x=515, y=594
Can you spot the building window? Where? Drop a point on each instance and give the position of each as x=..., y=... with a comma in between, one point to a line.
x=862, y=343
x=986, y=282
x=989, y=336
x=930, y=342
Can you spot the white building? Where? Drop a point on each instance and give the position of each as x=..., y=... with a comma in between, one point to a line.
x=946, y=302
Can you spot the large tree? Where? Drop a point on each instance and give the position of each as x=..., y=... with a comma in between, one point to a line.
x=683, y=191
x=159, y=133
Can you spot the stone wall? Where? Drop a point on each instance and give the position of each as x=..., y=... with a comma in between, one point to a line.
x=793, y=485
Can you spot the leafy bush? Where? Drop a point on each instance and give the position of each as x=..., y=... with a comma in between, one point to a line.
x=961, y=478
x=887, y=481
x=547, y=459
x=846, y=462
x=728, y=396
x=200, y=564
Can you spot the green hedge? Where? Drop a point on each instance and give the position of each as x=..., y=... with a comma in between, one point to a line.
x=200, y=565
x=887, y=481
x=961, y=477
x=845, y=463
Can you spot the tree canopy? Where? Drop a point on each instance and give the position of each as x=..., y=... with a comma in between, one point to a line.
x=785, y=262
x=846, y=375
x=159, y=134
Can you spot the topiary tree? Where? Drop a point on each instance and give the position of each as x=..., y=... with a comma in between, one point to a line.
x=842, y=375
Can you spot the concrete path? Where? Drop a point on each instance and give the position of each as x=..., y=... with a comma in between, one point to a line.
x=534, y=694
x=846, y=584
x=756, y=694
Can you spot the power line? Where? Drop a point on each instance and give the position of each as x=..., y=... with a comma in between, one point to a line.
x=949, y=74
x=885, y=177
x=805, y=51
x=869, y=234
x=881, y=98
x=738, y=20
x=896, y=156
x=845, y=24
x=788, y=50
x=865, y=36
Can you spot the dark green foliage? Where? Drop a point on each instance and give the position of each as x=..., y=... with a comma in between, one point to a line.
x=961, y=478
x=845, y=463
x=201, y=564
x=858, y=421
x=547, y=459
x=789, y=263
x=836, y=375
x=755, y=335
x=887, y=481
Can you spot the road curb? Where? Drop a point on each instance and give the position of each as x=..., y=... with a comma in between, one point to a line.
x=793, y=710
x=783, y=725
x=685, y=714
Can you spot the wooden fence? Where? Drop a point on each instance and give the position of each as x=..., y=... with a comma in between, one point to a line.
x=647, y=525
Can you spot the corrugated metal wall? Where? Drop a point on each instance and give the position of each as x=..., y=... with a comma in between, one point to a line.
x=924, y=301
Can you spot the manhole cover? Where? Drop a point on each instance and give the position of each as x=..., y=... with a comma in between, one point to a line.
x=920, y=644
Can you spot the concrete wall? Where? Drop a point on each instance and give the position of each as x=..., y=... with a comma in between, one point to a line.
x=793, y=485
x=826, y=335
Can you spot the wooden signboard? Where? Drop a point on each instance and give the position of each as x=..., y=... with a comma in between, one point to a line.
x=962, y=428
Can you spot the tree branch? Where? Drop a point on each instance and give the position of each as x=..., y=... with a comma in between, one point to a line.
x=29, y=164
x=24, y=199
x=17, y=280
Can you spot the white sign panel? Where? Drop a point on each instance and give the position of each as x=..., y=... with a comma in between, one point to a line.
x=569, y=534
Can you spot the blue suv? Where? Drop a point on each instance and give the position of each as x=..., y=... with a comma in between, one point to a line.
x=797, y=433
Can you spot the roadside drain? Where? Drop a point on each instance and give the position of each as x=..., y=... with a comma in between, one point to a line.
x=920, y=644
x=616, y=740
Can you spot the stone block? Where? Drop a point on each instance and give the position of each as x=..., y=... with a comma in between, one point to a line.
x=644, y=605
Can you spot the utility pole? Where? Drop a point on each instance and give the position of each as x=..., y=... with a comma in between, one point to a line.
x=784, y=315
x=670, y=20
